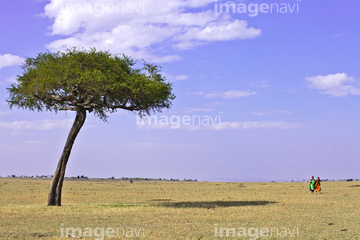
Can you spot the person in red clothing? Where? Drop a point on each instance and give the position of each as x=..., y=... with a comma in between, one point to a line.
x=317, y=185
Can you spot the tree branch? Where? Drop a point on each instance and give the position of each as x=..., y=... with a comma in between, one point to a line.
x=62, y=99
x=126, y=108
x=56, y=105
x=65, y=108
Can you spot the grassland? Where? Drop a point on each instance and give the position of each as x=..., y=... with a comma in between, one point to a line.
x=179, y=210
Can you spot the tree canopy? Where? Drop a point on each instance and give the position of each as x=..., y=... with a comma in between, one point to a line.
x=87, y=81
x=95, y=80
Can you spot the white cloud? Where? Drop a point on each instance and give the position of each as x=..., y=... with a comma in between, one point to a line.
x=174, y=78
x=9, y=80
x=258, y=113
x=152, y=145
x=255, y=125
x=290, y=91
x=281, y=111
x=35, y=142
x=37, y=125
x=232, y=94
x=214, y=104
x=336, y=85
x=225, y=126
x=261, y=84
x=191, y=110
x=195, y=93
x=8, y=60
x=142, y=28
x=216, y=31
x=5, y=113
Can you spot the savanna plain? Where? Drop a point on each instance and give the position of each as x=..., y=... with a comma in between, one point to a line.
x=179, y=210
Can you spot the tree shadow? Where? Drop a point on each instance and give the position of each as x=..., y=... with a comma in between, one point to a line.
x=214, y=204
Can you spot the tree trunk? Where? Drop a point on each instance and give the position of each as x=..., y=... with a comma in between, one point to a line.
x=54, y=197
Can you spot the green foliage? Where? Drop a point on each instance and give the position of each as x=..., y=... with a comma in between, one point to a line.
x=95, y=80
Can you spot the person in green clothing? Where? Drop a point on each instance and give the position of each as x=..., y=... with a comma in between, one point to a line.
x=312, y=184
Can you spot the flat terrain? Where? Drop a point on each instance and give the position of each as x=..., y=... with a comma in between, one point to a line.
x=179, y=210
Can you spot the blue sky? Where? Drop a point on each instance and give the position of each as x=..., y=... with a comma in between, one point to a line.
x=284, y=88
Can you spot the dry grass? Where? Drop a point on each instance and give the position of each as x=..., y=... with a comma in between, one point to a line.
x=179, y=210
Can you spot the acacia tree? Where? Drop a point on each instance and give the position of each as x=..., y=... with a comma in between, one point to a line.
x=87, y=81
